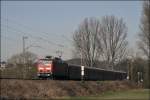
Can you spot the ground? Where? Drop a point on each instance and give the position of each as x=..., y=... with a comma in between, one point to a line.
x=52, y=89
x=135, y=94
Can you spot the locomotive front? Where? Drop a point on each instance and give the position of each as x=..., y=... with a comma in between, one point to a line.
x=45, y=68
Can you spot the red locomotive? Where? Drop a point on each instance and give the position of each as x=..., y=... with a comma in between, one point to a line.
x=44, y=68
x=50, y=67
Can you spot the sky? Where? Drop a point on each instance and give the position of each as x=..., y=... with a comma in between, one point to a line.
x=49, y=25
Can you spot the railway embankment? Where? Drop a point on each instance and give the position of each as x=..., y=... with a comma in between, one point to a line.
x=47, y=89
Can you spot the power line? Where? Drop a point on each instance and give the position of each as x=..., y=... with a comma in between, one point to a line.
x=11, y=39
x=8, y=38
x=29, y=28
x=35, y=37
x=5, y=47
x=15, y=30
x=20, y=33
x=59, y=45
x=67, y=38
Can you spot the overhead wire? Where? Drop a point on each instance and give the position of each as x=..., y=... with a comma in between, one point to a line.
x=8, y=45
x=36, y=37
x=12, y=39
x=25, y=27
x=8, y=38
x=14, y=22
x=21, y=33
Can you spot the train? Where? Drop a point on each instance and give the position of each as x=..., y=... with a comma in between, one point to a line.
x=56, y=68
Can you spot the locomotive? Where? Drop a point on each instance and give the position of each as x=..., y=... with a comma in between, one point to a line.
x=55, y=68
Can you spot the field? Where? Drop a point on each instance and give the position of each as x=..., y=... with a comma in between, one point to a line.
x=135, y=94
x=52, y=89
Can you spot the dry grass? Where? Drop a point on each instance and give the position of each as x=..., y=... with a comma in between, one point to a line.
x=39, y=89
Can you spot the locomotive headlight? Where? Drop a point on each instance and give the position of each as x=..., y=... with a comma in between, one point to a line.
x=40, y=68
x=48, y=68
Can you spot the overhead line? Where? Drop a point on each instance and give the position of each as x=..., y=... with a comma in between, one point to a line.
x=9, y=38
x=36, y=37
x=20, y=33
x=12, y=21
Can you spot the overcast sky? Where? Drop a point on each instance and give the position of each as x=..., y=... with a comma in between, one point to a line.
x=50, y=24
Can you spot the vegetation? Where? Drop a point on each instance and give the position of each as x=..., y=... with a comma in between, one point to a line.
x=18, y=71
x=20, y=66
x=46, y=89
x=140, y=66
x=144, y=40
x=136, y=94
x=26, y=58
x=144, y=34
x=101, y=39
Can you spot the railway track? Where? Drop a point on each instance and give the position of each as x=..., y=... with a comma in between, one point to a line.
x=37, y=79
x=23, y=79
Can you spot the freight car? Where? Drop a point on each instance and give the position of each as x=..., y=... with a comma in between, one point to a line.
x=55, y=68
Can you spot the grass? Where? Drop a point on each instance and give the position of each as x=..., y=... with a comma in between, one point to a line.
x=140, y=94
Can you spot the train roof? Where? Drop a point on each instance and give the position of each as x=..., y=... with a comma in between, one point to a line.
x=100, y=69
x=52, y=58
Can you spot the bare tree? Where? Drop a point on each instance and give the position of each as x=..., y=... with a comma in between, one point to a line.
x=19, y=58
x=144, y=38
x=144, y=34
x=85, y=41
x=112, y=39
x=23, y=62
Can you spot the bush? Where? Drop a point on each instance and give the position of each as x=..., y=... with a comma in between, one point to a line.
x=19, y=71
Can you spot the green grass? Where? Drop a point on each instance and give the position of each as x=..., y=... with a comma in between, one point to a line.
x=140, y=94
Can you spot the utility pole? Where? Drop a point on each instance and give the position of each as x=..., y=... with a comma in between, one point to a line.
x=81, y=57
x=82, y=67
x=138, y=74
x=81, y=51
x=131, y=69
x=23, y=38
x=128, y=70
x=24, y=57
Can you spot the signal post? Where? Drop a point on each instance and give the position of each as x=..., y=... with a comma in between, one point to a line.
x=82, y=73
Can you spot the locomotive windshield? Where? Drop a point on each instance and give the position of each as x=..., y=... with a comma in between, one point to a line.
x=45, y=61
